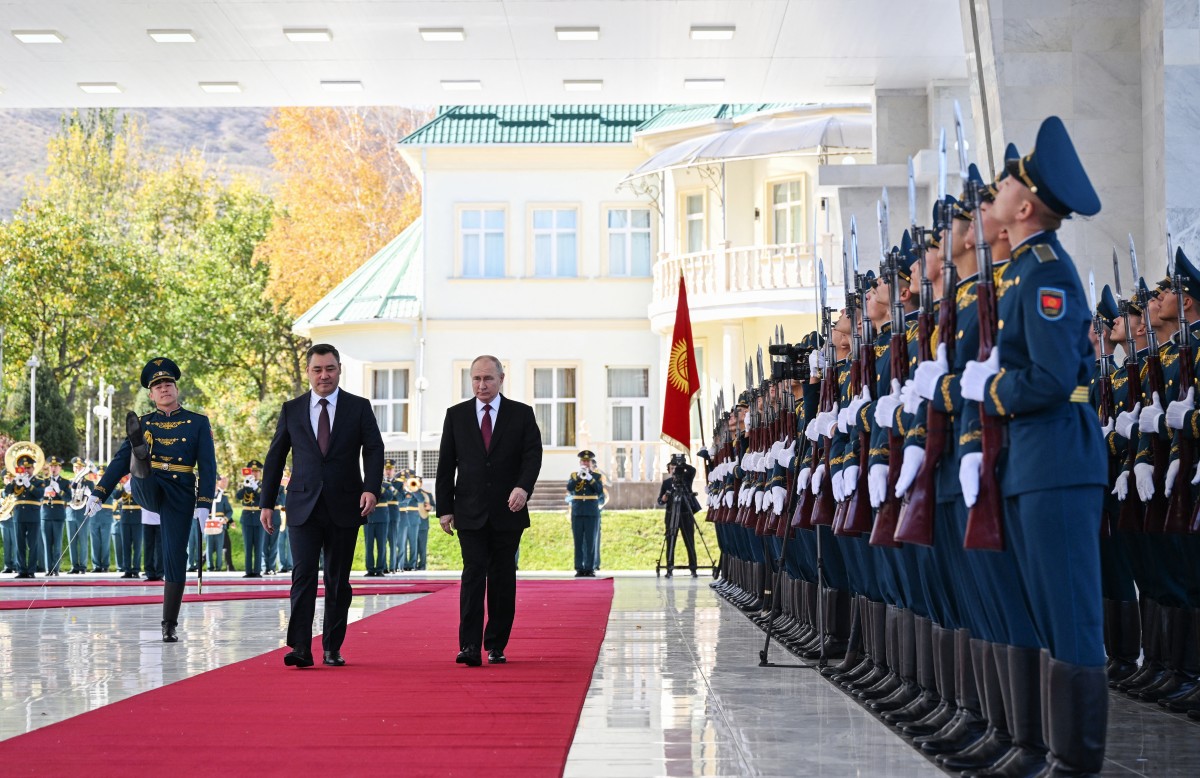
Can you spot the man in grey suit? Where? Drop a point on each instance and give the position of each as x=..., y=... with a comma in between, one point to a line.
x=328, y=432
x=490, y=456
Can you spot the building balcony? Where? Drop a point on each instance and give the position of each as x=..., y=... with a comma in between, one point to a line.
x=731, y=282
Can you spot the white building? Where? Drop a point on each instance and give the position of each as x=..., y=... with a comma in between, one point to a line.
x=554, y=236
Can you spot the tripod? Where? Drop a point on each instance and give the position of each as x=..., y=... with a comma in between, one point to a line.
x=675, y=518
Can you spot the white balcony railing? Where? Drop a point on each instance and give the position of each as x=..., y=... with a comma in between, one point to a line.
x=727, y=270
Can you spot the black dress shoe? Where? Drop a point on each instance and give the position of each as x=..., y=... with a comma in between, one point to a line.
x=333, y=658
x=469, y=656
x=168, y=633
x=497, y=657
x=298, y=658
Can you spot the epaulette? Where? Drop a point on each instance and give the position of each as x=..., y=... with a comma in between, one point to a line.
x=1045, y=253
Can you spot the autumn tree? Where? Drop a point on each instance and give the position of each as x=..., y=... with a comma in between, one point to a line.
x=345, y=193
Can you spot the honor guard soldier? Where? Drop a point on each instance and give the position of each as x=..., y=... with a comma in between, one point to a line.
x=129, y=528
x=8, y=534
x=152, y=551
x=376, y=530
x=285, y=545
x=424, y=507
x=252, y=532
x=223, y=513
x=1053, y=469
x=408, y=501
x=585, y=489
x=56, y=492
x=77, y=539
x=395, y=562
x=26, y=515
x=603, y=499
x=100, y=526
x=169, y=456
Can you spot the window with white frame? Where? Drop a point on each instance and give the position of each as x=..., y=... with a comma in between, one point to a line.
x=787, y=212
x=481, y=231
x=629, y=400
x=629, y=242
x=390, y=397
x=554, y=396
x=693, y=220
x=555, y=242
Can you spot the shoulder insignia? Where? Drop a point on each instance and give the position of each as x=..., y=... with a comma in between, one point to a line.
x=1052, y=302
x=1045, y=253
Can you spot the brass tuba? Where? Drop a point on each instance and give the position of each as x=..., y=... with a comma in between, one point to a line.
x=15, y=452
x=79, y=490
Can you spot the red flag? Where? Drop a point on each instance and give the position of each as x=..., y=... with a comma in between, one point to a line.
x=683, y=378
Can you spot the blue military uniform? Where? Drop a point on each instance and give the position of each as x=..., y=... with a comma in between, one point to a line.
x=56, y=493
x=77, y=520
x=100, y=528
x=395, y=561
x=423, y=529
x=585, y=489
x=253, y=535
x=375, y=531
x=26, y=516
x=129, y=529
x=284, y=545
x=215, y=544
x=171, y=458
x=408, y=505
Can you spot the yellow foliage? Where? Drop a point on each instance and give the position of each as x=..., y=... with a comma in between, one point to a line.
x=345, y=193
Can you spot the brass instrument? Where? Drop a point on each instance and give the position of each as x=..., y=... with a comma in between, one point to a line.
x=15, y=452
x=413, y=484
x=79, y=492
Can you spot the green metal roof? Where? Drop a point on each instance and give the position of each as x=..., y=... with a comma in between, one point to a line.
x=683, y=115
x=386, y=288
x=502, y=124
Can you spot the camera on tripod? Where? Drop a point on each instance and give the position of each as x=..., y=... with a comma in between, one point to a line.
x=794, y=366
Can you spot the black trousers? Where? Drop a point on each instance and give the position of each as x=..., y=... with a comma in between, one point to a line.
x=315, y=538
x=687, y=527
x=489, y=568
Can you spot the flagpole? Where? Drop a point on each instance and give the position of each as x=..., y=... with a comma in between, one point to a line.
x=700, y=417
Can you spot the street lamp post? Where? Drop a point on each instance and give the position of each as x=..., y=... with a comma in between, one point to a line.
x=108, y=441
x=33, y=365
x=87, y=433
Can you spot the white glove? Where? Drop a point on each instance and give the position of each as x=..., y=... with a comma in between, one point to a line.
x=1196, y=477
x=728, y=498
x=836, y=484
x=802, y=479
x=1172, y=474
x=778, y=495
x=913, y=457
x=816, y=360
x=818, y=474
x=1107, y=427
x=858, y=402
x=91, y=507
x=201, y=515
x=976, y=374
x=758, y=500
x=1151, y=416
x=929, y=372
x=23, y=479
x=877, y=484
x=1121, y=487
x=849, y=480
x=1178, y=410
x=885, y=409
x=51, y=488
x=912, y=400
x=252, y=483
x=587, y=476
x=810, y=431
x=844, y=420
x=968, y=476
x=1143, y=476
x=825, y=422
x=1127, y=420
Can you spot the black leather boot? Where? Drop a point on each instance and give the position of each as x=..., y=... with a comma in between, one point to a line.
x=943, y=673
x=139, y=460
x=927, y=698
x=968, y=725
x=906, y=666
x=1181, y=660
x=1126, y=639
x=995, y=741
x=172, y=599
x=1078, y=721
x=1027, y=755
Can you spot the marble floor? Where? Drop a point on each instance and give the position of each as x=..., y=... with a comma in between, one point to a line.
x=677, y=690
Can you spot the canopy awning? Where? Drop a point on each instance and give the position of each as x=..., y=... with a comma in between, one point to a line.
x=780, y=136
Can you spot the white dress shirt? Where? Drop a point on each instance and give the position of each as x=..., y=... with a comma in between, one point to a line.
x=495, y=403
x=314, y=409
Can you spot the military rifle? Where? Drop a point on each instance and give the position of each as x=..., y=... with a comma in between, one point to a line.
x=1160, y=449
x=1179, y=511
x=1132, y=510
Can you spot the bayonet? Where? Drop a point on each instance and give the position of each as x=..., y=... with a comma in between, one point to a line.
x=885, y=245
x=941, y=191
x=1092, y=290
x=1117, y=273
x=912, y=194
x=1143, y=302
x=761, y=379
x=960, y=139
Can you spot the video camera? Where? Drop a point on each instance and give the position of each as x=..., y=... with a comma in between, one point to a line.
x=794, y=366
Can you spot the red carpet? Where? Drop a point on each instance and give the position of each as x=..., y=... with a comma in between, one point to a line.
x=400, y=706
x=279, y=593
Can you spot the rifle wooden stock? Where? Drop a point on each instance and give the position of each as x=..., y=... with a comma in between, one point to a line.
x=824, y=507
x=1132, y=510
x=1160, y=451
x=1180, y=517
x=859, y=516
x=1108, y=411
x=985, y=521
x=916, y=523
x=811, y=508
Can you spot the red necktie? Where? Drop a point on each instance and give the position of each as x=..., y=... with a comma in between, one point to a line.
x=486, y=427
x=323, y=427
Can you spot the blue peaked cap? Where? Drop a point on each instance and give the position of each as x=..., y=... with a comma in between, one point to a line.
x=159, y=369
x=1053, y=172
x=1107, y=307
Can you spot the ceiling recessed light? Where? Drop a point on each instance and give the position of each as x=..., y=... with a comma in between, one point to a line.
x=462, y=86
x=172, y=36
x=37, y=36
x=577, y=33
x=342, y=86
x=443, y=34
x=308, y=34
x=712, y=32
x=704, y=83
x=583, y=84
x=221, y=87
x=100, y=87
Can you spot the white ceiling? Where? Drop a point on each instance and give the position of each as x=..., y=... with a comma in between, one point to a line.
x=783, y=50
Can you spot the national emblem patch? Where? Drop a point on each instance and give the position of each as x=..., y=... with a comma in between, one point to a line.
x=1052, y=303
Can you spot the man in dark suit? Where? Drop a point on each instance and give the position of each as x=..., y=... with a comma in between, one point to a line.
x=328, y=431
x=490, y=456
